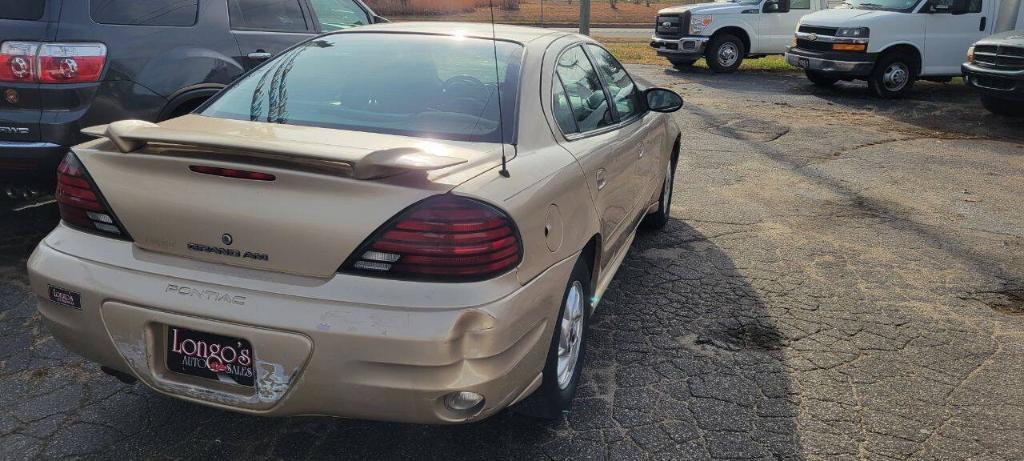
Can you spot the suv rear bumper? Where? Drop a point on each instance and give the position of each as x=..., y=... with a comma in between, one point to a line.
x=30, y=160
x=684, y=47
x=838, y=64
x=1002, y=84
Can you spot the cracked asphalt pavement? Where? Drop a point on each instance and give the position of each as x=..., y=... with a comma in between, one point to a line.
x=843, y=279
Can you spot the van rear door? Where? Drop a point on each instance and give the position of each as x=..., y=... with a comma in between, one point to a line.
x=20, y=106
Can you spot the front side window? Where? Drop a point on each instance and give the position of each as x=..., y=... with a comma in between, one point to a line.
x=407, y=84
x=269, y=15
x=583, y=89
x=800, y=4
x=885, y=5
x=338, y=14
x=625, y=95
x=943, y=6
x=181, y=13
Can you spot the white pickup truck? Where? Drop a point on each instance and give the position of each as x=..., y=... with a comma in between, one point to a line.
x=891, y=43
x=726, y=32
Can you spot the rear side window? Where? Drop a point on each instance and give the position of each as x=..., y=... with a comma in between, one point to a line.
x=268, y=15
x=584, y=91
x=181, y=13
x=25, y=10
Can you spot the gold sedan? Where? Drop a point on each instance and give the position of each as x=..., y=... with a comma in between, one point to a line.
x=407, y=222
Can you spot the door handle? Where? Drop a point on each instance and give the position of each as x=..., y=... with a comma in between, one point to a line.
x=259, y=55
x=601, y=180
x=981, y=28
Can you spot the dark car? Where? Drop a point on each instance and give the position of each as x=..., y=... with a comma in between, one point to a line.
x=70, y=64
x=995, y=68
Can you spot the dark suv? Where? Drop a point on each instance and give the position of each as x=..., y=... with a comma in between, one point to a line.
x=69, y=64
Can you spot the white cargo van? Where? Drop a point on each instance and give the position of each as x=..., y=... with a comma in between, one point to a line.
x=725, y=32
x=891, y=43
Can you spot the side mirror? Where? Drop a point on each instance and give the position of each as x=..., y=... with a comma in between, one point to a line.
x=379, y=19
x=776, y=6
x=662, y=100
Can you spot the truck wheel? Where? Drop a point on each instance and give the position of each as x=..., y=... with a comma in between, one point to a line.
x=820, y=79
x=725, y=53
x=680, y=63
x=1000, y=106
x=893, y=76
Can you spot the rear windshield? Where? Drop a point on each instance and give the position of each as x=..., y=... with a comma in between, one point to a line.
x=416, y=85
x=180, y=13
x=25, y=10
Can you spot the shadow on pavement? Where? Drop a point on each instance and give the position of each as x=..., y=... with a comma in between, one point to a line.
x=683, y=362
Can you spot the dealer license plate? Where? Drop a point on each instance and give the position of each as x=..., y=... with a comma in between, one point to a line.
x=803, y=63
x=211, y=356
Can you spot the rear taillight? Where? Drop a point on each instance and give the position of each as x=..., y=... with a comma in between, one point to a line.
x=443, y=238
x=80, y=202
x=51, y=62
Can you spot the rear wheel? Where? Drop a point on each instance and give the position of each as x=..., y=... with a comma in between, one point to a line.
x=1000, y=106
x=681, y=64
x=565, y=355
x=820, y=79
x=893, y=76
x=725, y=53
x=658, y=219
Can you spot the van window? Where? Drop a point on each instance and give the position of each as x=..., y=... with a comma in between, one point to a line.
x=973, y=7
x=21, y=10
x=180, y=13
x=268, y=15
x=800, y=4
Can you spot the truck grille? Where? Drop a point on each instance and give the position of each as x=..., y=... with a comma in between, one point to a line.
x=819, y=30
x=813, y=45
x=999, y=57
x=672, y=25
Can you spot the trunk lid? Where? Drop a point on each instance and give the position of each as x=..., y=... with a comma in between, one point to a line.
x=306, y=221
x=20, y=103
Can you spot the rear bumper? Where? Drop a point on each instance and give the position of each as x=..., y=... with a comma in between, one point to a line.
x=684, y=47
x=30, y=160
x=997, y=83
x=312, y=356
x=838, y=64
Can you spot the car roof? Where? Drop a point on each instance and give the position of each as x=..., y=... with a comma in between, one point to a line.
x=520, y=34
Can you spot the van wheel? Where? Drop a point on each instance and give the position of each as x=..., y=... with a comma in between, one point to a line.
x=893, y=76
x=1000, y=106
x=725, y=53
x=681, y=64
x=820, y=79
x=565, y=356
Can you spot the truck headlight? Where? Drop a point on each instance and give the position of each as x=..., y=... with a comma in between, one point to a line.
x=699, y=22
x=853, y=32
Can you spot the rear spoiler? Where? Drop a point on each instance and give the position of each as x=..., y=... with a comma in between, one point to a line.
x=131, y=135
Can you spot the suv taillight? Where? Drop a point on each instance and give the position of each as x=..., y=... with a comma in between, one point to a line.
x=443, y=238
x=51, y=62
x=80, y=202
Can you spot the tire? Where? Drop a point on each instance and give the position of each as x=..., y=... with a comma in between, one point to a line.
x=725, y=53
x=659, y=219
x=556, y=391
x=1002, y=107
x=820, y=79
x=682, y=64
x=893, y=76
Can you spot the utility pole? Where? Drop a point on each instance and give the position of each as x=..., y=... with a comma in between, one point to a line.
x=585, y=17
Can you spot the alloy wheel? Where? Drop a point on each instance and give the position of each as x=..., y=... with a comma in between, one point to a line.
x=570, y=334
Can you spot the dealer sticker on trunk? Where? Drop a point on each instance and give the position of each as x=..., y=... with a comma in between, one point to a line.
x=65, y=297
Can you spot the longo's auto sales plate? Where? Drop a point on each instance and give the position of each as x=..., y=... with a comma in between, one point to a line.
x=211, y=356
